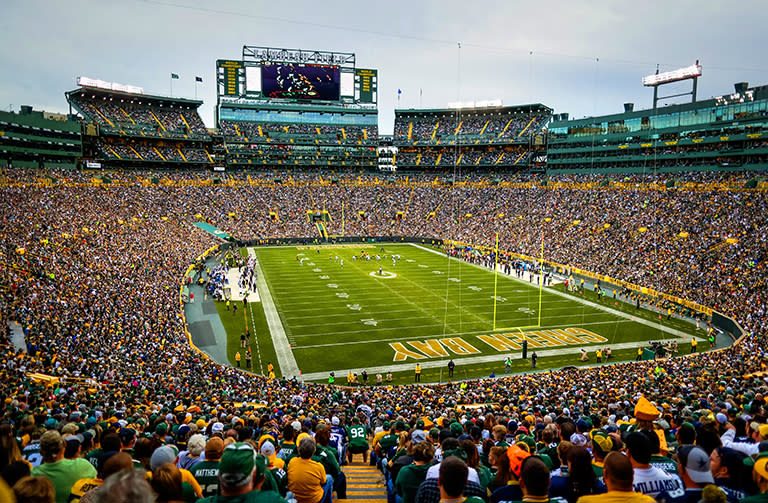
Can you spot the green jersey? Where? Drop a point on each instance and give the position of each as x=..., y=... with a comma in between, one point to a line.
x=93, y=457
x=357, y=436
x=207, y=475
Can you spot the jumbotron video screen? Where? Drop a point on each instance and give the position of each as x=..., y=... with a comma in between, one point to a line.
x=300, y=82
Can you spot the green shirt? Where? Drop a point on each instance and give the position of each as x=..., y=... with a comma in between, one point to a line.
x=281, y=480
x=328, y=459
x=408, y=481
x=664, y=463
x=93, y=456
x=388, y=441
x=756, y=498
x=64, y=473
x=287, y=449
x=207, y=475
x=357, y=436
x=249, y=497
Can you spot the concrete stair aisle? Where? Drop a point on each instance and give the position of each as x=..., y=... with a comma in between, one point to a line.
x=365, y=484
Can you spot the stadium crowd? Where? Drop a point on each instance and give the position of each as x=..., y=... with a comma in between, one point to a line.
x=91, y=273
x=262, y=132
x=128, y=115
x=455, y=125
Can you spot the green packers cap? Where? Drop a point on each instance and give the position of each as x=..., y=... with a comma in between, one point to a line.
x=238, y=462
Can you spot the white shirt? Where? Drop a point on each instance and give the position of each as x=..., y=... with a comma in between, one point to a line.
x=434, y=472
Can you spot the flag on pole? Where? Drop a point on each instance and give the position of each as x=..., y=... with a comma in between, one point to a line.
x=174, y=75
x=198, y=79
x=399, y=91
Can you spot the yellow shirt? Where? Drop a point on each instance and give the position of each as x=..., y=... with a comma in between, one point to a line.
x=617, y=497
x=305, y=480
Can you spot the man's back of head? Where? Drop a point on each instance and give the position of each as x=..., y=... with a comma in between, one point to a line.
x=639, y=447
x=306, y=448
x=618, y=472
x=534, y=477
x=453, y=477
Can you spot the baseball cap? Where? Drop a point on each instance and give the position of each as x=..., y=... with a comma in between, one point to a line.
x=763, y=430
x=418, y=436
x=217, y=427
x=268, y=449
x=761, y=465
x=335, y=421
x=516, y=456
x=696, y=463
x=296, y=425
x=238, y=463
x=578, y=439
x=213, y=448
x=161, y=456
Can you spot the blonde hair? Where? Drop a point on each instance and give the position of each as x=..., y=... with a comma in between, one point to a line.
x=35, y=490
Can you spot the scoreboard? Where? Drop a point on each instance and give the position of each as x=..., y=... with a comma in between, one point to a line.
x=230, y=76
x=366, y=85
x=287, y=75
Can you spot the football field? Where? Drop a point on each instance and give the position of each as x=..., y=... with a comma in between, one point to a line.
x=351, y=307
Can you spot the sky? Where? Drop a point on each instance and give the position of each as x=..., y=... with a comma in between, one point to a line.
x=584, y=57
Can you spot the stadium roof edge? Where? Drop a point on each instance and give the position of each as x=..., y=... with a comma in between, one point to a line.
x=761, y=92
x=167, y=99
x=408, y=111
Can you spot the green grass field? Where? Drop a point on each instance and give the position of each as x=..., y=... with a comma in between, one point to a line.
x=427, y=308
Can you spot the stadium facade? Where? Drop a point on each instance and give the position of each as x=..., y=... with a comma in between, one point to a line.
x=281, y=109
x=125, y=128
x=722, y=133
x=34, y=139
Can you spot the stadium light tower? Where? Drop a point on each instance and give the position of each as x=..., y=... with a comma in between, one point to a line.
x=692, y=72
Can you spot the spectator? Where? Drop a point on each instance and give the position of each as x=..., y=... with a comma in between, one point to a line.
x=63, y=473
x=411, y=476
x=206, y=472
x=649, y=479
x=242, y=471
x=694, y=471
x=34, y=490
x=307, y=479
x=619, y=480
x=453, y=479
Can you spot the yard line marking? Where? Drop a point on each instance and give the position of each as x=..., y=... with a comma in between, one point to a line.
x=642, y=321
x=431, y=336
x=285, y=359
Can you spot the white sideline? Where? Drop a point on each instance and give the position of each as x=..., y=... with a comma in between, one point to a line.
x=585, y=302
x=285, y=359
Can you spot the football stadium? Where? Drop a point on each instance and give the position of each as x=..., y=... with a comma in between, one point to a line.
x=495, y=302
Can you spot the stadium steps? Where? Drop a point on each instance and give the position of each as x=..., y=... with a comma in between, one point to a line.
x=135, y=152
x=185, y=122
x=484, y=126
x=505, y=128
x=113, y=152
x=365, y=484
x=181, y=153
x=127, y=115
x=526, y=127
x=104, y=117
x=158, y=120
